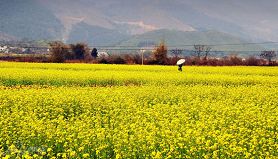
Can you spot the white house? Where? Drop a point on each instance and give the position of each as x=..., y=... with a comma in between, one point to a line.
x=102, y=54
x=4, y=49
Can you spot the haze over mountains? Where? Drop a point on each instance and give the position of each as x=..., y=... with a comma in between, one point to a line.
x=110, y=22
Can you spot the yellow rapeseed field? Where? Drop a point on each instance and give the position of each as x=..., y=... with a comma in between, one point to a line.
x=121, y=111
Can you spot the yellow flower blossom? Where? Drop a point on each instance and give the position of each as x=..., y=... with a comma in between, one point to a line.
x=120, y=111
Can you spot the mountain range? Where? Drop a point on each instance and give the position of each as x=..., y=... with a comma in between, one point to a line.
x=133, y=22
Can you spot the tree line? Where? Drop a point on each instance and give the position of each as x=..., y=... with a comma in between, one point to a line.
x=160, y=55
x=61, y=52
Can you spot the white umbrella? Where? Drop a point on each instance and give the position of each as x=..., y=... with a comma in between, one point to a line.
x=181, y=61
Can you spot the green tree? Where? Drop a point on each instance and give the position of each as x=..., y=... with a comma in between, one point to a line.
x=94, y=53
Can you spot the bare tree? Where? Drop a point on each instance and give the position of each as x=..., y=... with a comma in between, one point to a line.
x=198, y=50
x=269, y=55
x=59, y=51
x=160, y=54
x=202, y=50
x=207, y=50
x=176, y=52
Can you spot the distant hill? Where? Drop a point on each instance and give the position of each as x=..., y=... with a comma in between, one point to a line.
x=270, y=46
x=95, y=35
x=139, y=23
x=181, y=39
x=6, y=37
x=28, y=19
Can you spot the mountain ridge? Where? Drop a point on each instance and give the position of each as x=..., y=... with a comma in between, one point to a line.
x=119, y=21
x=186, y=40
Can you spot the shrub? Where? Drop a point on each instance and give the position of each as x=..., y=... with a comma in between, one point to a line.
x=80, y=51
x=116, y=59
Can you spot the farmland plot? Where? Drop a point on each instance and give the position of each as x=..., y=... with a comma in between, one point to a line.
x=120, y=111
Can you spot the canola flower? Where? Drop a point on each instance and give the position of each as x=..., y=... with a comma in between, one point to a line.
x=56, y=111
x=122, y=75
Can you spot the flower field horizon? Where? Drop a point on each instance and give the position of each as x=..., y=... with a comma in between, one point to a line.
x=133, y=111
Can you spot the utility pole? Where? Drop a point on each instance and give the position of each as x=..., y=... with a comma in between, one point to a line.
x=142, y=52
x=142, y=56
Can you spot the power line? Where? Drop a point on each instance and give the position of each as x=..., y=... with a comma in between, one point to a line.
x=230, y=44
x=126, y=47
x=184, y=45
